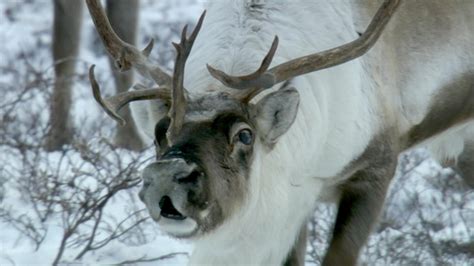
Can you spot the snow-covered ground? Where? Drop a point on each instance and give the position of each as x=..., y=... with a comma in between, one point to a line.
x=25, y=52
x=428, y=219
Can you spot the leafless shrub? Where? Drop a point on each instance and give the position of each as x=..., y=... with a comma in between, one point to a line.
x=80, y=188
x=75, y=188
x=87, y=189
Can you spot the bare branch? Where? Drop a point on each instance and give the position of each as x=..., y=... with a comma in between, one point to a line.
x=145, y=259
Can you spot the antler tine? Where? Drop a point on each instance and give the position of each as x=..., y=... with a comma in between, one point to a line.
x=314, y=62
x=260, y=78
x=113, y=104
x=178, y=106
x=124, y=54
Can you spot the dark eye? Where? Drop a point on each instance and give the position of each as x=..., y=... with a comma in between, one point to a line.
x=245, y=136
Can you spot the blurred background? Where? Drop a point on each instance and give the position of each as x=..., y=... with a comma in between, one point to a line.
x=69, y=176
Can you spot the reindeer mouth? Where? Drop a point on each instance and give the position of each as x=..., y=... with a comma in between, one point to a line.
x=168, y=210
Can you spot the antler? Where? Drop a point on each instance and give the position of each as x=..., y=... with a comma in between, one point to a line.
x=178, y=107
x=125, y=55
x=262, y=79
x=113, y=104
x=258, y=78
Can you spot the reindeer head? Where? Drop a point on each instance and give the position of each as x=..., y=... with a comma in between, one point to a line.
x=201, y=176
x=206, y=144
x=205, y=149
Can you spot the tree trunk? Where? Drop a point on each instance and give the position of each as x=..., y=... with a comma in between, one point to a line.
x=66, y=37
x=123, y=16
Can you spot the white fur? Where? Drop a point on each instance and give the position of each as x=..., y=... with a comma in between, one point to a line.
x=341, y=109
x=263, y=230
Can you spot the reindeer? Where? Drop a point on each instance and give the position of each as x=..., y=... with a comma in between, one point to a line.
x=242, y=159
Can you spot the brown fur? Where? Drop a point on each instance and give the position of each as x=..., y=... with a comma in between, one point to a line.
x=454, y=105
x=361, y=199
x=465, y=165
x=298, y=252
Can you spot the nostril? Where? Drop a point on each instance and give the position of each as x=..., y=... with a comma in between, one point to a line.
x=188, y=179
x=164, y=201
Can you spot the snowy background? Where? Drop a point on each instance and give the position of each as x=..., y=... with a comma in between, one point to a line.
x=79, y=205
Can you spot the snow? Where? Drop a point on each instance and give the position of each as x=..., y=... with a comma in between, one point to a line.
x=423, y=195
x=25, y=33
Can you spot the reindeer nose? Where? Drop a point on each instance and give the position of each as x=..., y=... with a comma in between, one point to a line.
x=175, y=169
x=170, y=186
x=162, y=177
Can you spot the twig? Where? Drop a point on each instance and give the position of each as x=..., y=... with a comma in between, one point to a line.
x=144, y=259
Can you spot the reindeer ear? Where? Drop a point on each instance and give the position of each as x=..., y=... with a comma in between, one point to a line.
x=275, y=113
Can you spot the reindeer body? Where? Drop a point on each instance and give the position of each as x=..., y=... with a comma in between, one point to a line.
x=341, y=110
x=352, y=120
x=285, y=183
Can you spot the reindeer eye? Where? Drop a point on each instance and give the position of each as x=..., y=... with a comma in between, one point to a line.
x=245, y=136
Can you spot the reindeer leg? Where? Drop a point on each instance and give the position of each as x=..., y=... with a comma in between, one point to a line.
x=362, y=198
x=298, y=252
